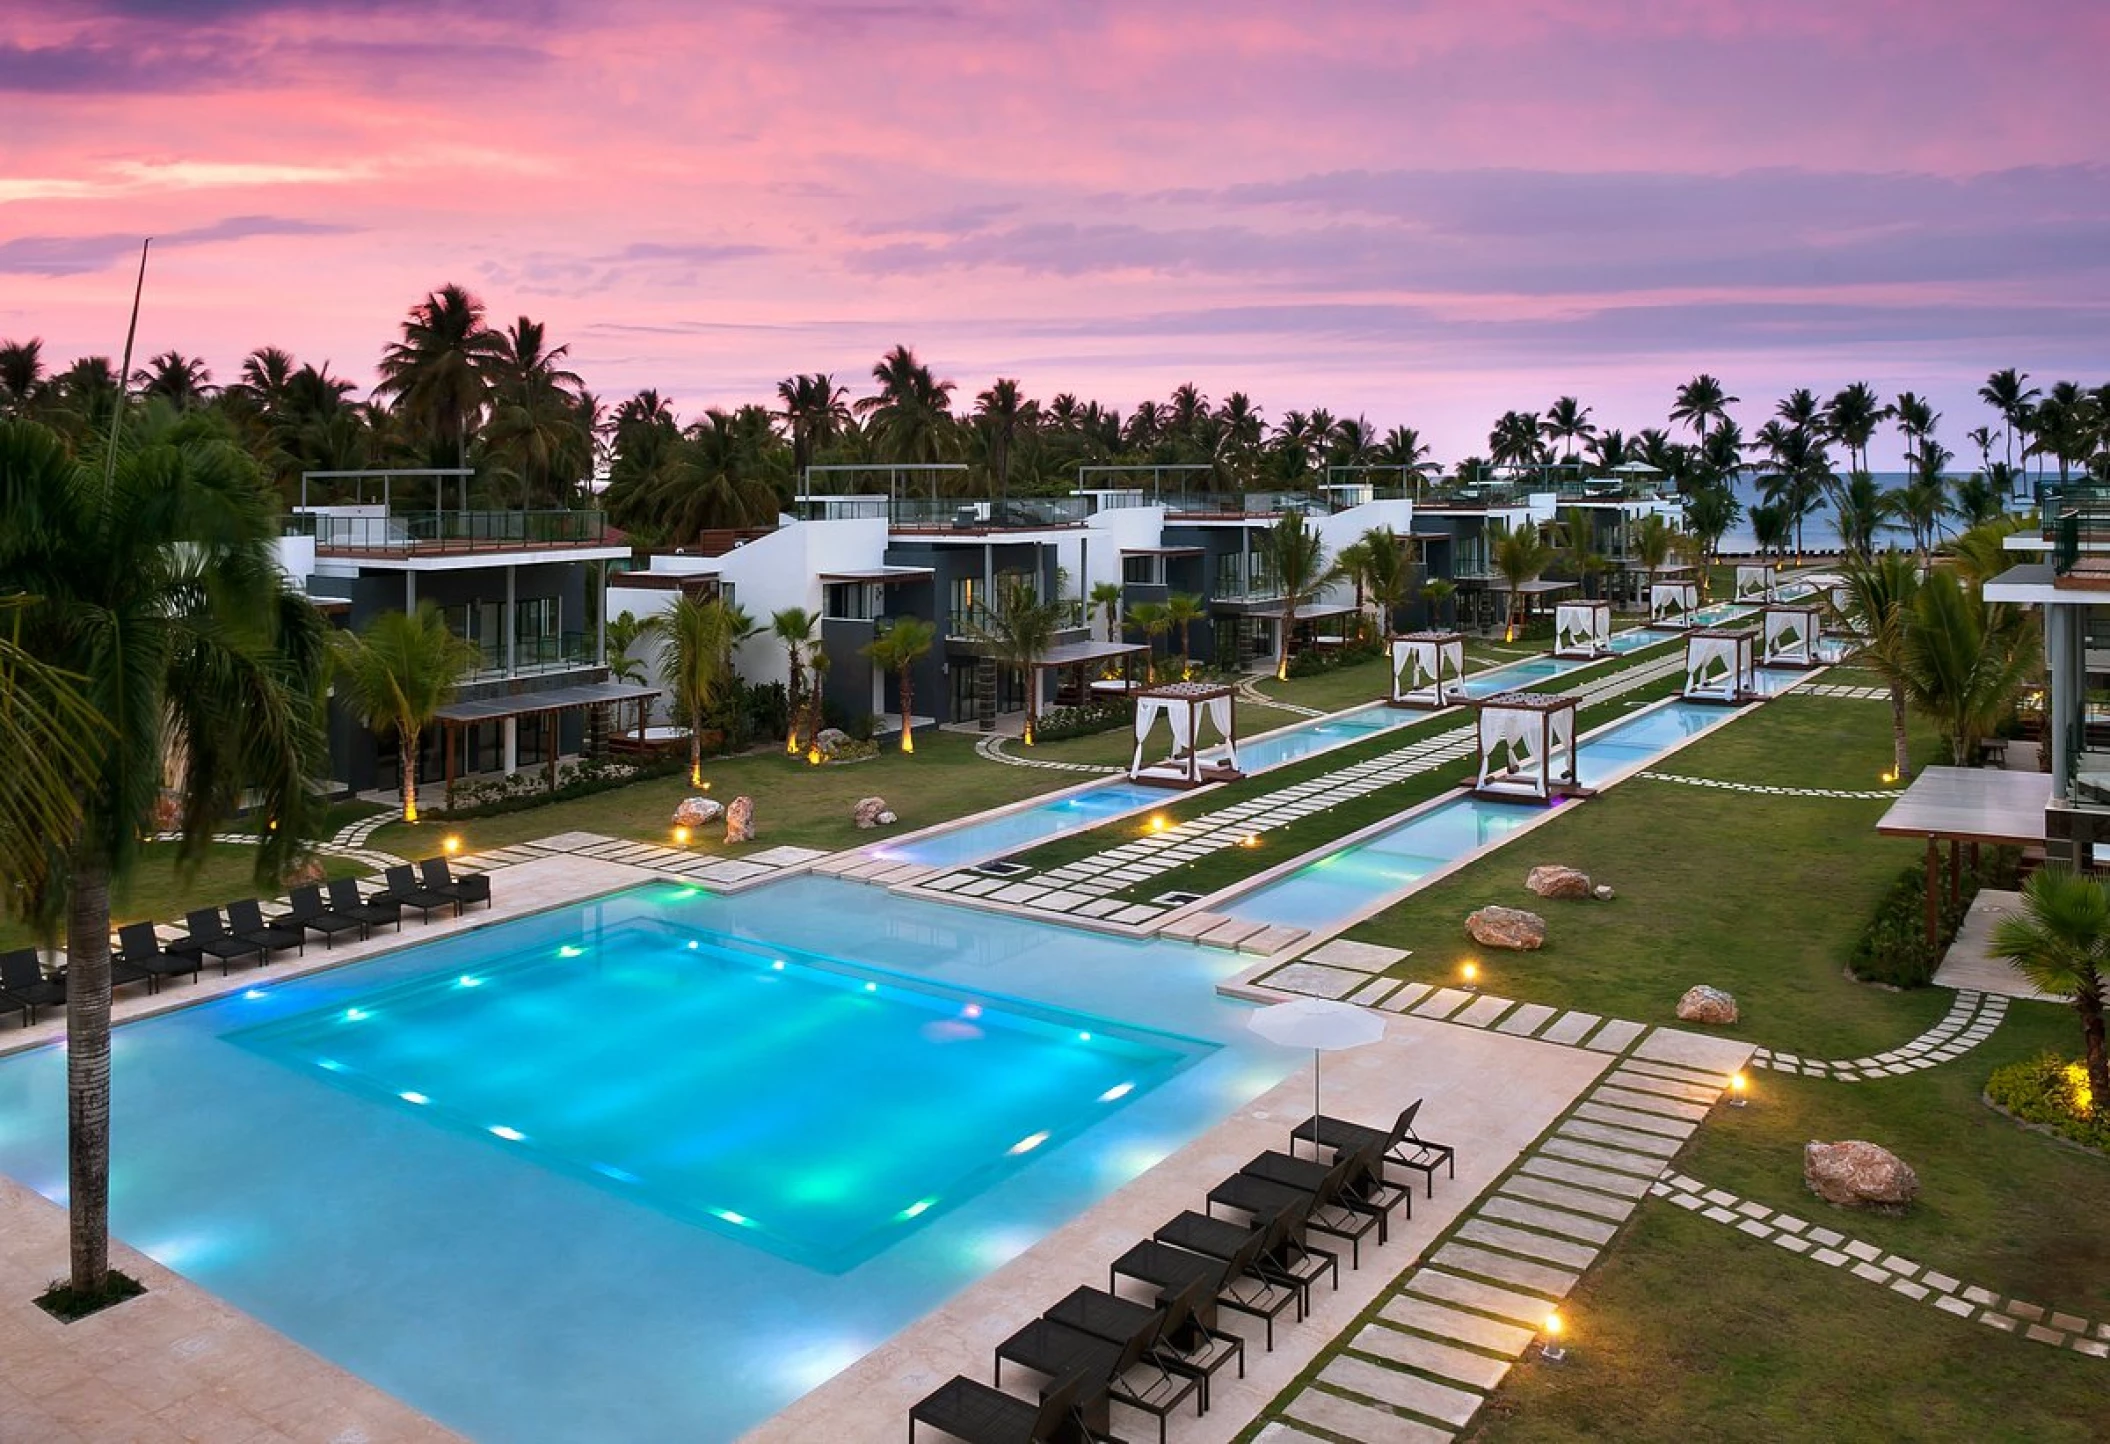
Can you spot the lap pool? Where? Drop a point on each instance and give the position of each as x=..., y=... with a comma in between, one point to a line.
x=651, y=1166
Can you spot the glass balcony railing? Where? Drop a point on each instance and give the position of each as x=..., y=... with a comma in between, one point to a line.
x=2074, y=516
x=947, y=513
x=449, y=531
x=557, y=653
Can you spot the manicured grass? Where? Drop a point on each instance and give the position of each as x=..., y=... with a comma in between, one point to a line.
x=160, y=891
x=794, y=803
x=1690, y=1330
x=1763, y=896
x=1808, y=742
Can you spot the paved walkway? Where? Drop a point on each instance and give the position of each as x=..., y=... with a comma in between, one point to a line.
x=1871, y=1264
x=1841, y=690
x=1249, y=692
x=1970, y=963
x=1971, y=1019
x=1448, y=1331
x=1888, y=794
x=994, y=748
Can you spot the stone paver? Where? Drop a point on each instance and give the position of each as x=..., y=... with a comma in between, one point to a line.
x=1504, y=1303
x=1460, y=1366
x=1614, y=1036
x=1523, y=1242
x=1442, y=1003
x=1314, y=980
x=1526, y=1020
x=1554, y=1220
x=1519, y=1273
x=1363, y=957
x=1352, y=1419
x=1483, y=1011
x=1446, y=1323
x=1400, y=1389
x=1603, y=1180
x=1569, y=1028
x=1574, y=1200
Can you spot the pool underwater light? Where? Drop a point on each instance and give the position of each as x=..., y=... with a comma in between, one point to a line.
x=568, y=951
x=1117, y=1092
x=254, y=993
x=356, y=1015
x=1030, y=1142
x=510, y=1135
x=413, y=1098
x=916, y=1209
x=466, y=981
x=730, y=1217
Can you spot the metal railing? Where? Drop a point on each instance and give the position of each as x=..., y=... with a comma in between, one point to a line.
x=449, y=531
x=561, y=652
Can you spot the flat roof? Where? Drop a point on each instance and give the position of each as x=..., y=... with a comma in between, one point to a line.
x=1071, y=654
x=880, y=574
x=554, y=699
x=1535, y=588
x=1305, y=614
x=1971, y=804
x=1163, y=551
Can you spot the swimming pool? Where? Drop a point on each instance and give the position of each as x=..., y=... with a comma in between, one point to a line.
x=658, y=1192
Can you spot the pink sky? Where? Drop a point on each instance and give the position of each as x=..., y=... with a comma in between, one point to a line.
x=1424, y=213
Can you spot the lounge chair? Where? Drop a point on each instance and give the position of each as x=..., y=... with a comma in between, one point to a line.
x=969, y=1409
x=139, y=948
x=309, y=912
x=405, y=890
x=1258, y=1197
x=24, y=986
x=1206, y=1281
x=470, y=887
x=205, y=937
x=1402, y=1145
x=1134, y=1372
x=369, y=913
x=246, y=920
x=1188, y=1342
x=1363, y=1191
x=1251, y=1285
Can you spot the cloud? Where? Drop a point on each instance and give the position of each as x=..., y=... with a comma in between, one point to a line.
x=79, y=255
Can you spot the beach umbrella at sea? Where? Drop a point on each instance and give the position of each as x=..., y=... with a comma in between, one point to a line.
x=1319, y=1024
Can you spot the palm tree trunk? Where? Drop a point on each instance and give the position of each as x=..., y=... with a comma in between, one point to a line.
x=88, y=1072
x=791, y=738
x=696, y=750
x=2091, y=1006
x=1289, y=622
x=407, y=744
x=907, y=743
x=1900, y=745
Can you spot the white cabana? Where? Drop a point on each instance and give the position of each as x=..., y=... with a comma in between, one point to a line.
x=1790, y=630
x=1428, y=669
x=1185, y=706
x=1671, y=604
x=1719, y=667
x=1754, y=583
x=1582, y=629
x=1527, y=746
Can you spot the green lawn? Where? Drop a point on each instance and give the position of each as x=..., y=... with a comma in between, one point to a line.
x=794, y=803
x=1763, y=896
x=160, y=891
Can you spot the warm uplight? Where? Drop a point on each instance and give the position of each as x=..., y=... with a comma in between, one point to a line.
x=1252, y=839
x=1158, y=823
x=813, y=756
x=1553, y=1324
x=451, y=844
x=1890, y=777
x=696, y=777
x=410, y=812
x=681, y=837
x=1470, y=971
x=1738, y=1084
x=2078, y=1090
x=1550, y=1347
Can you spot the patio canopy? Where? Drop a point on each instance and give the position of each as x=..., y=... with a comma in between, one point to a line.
x=553, y=699
x=1082, y=654
x=1967, y=804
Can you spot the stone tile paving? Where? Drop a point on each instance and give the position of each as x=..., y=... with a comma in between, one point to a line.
x=1902, y=1276
x=1451, y=1328
x=1970, y=1020
x=992, y=747
x=1887, y=794
x=1842, y=691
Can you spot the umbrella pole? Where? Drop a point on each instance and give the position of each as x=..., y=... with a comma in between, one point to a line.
x=1315, y=1098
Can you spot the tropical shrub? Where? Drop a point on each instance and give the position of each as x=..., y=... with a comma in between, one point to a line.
x=1059, y=724
x=1314, y=660
x=2051, y=1092
x=1893, y=947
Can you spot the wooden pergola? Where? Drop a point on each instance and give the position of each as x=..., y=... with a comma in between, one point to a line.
x=1582, y=629
x=1791, y=630
x=1671, y=605
x=1428, y=669
x=1966, y=805
x=1755, y=583
x=1537, y=732
x=1185, y=706
x=1709, y=648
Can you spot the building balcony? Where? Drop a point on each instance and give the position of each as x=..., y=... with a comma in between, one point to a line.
x=951, y=515
x=369, y=533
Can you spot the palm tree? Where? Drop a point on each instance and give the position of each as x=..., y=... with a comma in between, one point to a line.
x=1568, y=420
x=2059, y=941
x=2064, y=426
x=1153, y=620
x=1772, y=529
x=1515, y=439
x=1878, y=605
x=182, y=381
x=1653, y=541
x=1710, y=511
x=897, y=650
x=2007, y=393
x=536, y=430
x=1520, y=555
x=1182, y=611
x=1700, y=401
x=1295, y=556
x=1862, y=507
x=158, y=589
x=1436, y=592
x=1019, y=631
x=397, y=674
x=1851, y=418
x=1923, y=500
x=1385, y=574
x=695, y=664
x=1962, y=660
x=625, y=630
x=794, y=628
x=1916, y=419
x=22, y=380
x=1106, y=600
x=1003, y=413
x=911, y=417
x=816, y=411
x=439, y=373
x=47, y=733
x=1579, y=552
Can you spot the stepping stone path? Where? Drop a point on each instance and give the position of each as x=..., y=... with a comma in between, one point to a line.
x=1970, y=1021
x=994, y=749
x=1902, y=1276
x=1448, y=1331
x=1844, y=692
x=1756, y=789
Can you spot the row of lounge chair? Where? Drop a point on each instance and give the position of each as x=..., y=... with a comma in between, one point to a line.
x=1097, y=1348
x=245, y=934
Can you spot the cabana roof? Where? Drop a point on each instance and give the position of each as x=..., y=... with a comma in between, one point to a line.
x=1972, y=804
x=1188, y=691
x=1527, y=701
x=553, y=699
x=1078, y=654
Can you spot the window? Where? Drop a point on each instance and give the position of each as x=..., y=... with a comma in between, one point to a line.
x=850, y=601
x=1143, y=571
x=965, y=600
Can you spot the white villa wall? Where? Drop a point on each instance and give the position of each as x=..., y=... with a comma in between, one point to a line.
x=1342, y=528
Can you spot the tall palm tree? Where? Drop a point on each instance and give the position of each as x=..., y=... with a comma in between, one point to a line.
x=536, y=429
x=897, y=650
x=1567, y=420
x=2060, y=941
x=695, y=663
x=1579, y=553
x=1710, y=511
x=1700, y=401
x=1861, y=508
x=185, y=382
x=1851, y=418
x=158, y=589
x=625, y=630
x=1916, y=419
x=911, y=417
x=794, y=628
x=1515, y=439
x=1437, y=592
x=1018, y=631
x=816, y=411
x=1923, y=500
x=1182, y=611
x=1106, y=601
x=1772, y=528
x=2008, y=393
x=1003, y=413
x=1878, y=607
x=1153, y=620
x=2065, y=425
x=396, y=675
x=22, y=379
x=1963, y=661
x=1384, y=574
x=1295, y=556
x=47, y=733
x=439, y=374
x=1520, y=555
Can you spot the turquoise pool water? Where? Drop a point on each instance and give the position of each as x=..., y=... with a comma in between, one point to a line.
x=575, y=1276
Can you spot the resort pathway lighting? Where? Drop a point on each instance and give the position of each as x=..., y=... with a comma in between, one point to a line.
x=1738, y=1084
x=1469, y=975
x=681, y=837
x=1550, y=1346
x=451, y=844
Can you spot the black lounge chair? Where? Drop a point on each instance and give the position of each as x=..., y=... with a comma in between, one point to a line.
x=246, y=920
x=405, y=890
x=1258, y=1197
x=1210, y=1284
x=1278, y=1273
x=969, y=1409
x=1189, y=1343
x=1364, y=1190
x=1402, y=1145
x=139, y=948
x=24, y=986
x=1132, y=1367
x=309, y=912
x=470, y=887
x=369, y=913
x=207, y=938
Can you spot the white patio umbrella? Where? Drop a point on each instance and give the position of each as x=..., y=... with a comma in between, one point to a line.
x=1637, y=468
x=1319, y=1024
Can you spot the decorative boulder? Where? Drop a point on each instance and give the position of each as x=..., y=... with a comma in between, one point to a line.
x=871, y=812
x=1854, y=1174
x=1602, y=892
x=830, y=740
x=698, y=812
x=1554, y=880
x=740, y=820
x=887, y=819
x=1513, y=928
x=1706, y=1005
x=308, y=870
